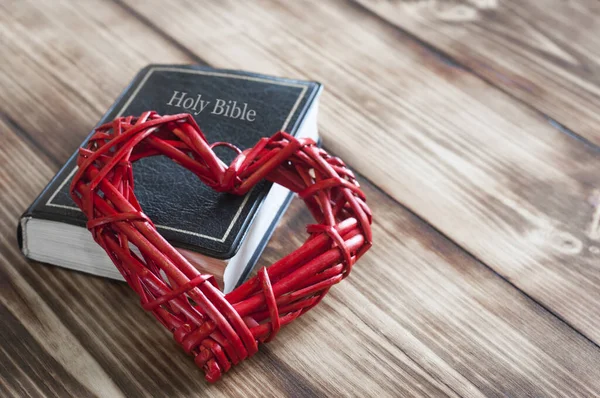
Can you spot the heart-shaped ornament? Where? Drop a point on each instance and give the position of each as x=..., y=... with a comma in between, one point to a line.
x=217, y=329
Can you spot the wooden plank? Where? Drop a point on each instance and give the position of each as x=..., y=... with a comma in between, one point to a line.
x=543, y=52
x=434, y=323
x=495, y=176
x=40, y=353
x=49, y=46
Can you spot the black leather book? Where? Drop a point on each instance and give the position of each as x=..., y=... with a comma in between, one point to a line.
x=214, y=230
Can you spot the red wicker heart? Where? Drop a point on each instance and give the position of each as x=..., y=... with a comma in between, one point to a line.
x=217, y=329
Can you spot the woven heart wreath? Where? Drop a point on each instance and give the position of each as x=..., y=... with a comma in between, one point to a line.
x=219, y=329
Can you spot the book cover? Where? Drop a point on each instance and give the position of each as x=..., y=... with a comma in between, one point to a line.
x=230, y=106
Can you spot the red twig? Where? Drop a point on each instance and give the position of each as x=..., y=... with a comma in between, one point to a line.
x=220, y=330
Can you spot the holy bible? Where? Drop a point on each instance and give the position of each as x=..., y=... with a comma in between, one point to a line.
x=220, y=233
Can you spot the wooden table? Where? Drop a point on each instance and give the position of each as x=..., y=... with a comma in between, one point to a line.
x=474, y=128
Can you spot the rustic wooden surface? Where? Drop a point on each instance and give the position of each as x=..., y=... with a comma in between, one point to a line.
x=472, y=125
x=545, y=53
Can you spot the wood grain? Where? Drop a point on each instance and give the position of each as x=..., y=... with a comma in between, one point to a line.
x=496, y=177
x=418, y=317
x=542, y=52
x=69, y=64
